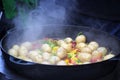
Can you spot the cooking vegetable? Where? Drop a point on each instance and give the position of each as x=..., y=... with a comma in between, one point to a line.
x=65, y=51
x=46, y=48
x=61, y=52
x=81, y=45
x=94, y=44
x=86, y=49
x=34, y=55
x=46, y=56
x=54, y=59
x=80, y=38
x=102, y=50
x=13, y=52
x=28, y=45
x=68, y=40
x=22, y=51
x=96, y=56
x=84, y=57
x=61, y=63
x=16, y=47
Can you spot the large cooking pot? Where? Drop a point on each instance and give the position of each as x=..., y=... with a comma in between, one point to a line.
x=37, y=71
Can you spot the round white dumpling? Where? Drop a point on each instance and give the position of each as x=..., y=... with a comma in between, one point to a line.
x=102, y=50
x=68, y=40
x=92, y=47
x=35, y=56
x=95, y=44
x=16, y=47
x=28, y=45
x=97, y=53
x=84, y=57
x=86, y=50
x=38, y=59
x=80, y=38
x=54, y=59
x=59, y=42
x=23, y=51
x=46, y=56
x=67, y=47
x=61, y=52
x=46, y=48
x=81, y=45
x=61, y=63
x=13, y=52
x=96, y=56
x=32, y=54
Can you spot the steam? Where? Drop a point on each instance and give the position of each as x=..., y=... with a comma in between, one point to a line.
x=46, y=13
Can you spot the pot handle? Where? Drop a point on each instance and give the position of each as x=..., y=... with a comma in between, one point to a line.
x=19, y=61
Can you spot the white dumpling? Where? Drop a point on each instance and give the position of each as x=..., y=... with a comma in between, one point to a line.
x=92, y=47
x=96, y=56
x=28, y=45
x=61, y=63
x=59, y=42
x=46, y=56
x=81, y=45
x=32, y=54
x=80, y=38
x=68, y=40
x=67, y=47
x=102, y=50
x=54, y=59
x=38, y=59
x=35, y=56
x=23, y=51
x=13, y=52
x=97, y=53
x=95, y=44
x=61, y=52
x=46, y=48
x=84, y=57
x=86, y=50
x=16, y=47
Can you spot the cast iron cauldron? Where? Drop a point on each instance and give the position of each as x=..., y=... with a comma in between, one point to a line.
x=37, y=71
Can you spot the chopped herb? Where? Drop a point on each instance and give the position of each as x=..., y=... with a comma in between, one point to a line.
x=78, y=61
x=80, y=33
x=50, y=42
x=69, y=56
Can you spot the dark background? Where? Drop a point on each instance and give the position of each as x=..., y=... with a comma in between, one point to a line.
x=99, y=14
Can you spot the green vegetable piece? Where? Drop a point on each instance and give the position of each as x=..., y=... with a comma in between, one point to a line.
x=69, y=56
x=80, y=33
x=51, y=43
x=78, y=61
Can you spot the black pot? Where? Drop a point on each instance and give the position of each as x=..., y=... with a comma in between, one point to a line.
x=37, y=71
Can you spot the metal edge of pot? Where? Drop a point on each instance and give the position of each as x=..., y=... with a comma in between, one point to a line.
x=116, y=58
